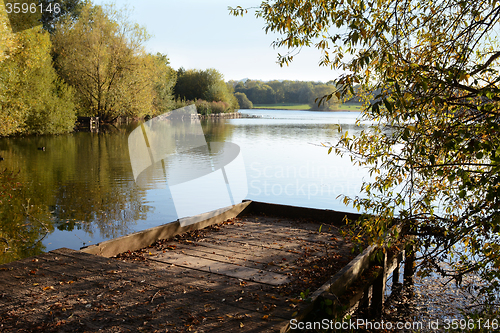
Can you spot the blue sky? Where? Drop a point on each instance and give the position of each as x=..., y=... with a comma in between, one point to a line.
x=201, y=34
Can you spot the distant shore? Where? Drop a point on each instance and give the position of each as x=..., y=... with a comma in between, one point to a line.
x=350, y=107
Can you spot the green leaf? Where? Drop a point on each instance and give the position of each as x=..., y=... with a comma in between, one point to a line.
x=388, y=105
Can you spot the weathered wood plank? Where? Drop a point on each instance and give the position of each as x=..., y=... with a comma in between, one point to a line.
x=274, y=263
x=206, y=265
x=278, y=228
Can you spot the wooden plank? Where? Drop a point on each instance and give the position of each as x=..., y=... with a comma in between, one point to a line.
x=268, y=242
x=216, y=267
x=314, y=239
x=244, y=249
x=285, y=228
x=271, y=263
x=350, y=272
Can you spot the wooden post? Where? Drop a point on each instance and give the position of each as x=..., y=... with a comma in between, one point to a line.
x=364, y=303
x=395, y=273
x=378, y=294
x=94, y=124
x=409, y=270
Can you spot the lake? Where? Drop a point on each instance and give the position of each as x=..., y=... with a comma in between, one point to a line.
x=81, y=189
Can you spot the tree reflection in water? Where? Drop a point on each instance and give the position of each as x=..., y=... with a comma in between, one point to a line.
x=81, y=181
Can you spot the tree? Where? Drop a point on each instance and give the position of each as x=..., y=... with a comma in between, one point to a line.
x=166, y=79
x=33, y=100
x=206, y=84
x=434, y=149
x=318, y=91
x=54, y=10
x=243, y=101
x=277, y=87
x=102, y=57
x=306, y=93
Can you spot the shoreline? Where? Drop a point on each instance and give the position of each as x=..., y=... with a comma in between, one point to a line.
x=300, y=110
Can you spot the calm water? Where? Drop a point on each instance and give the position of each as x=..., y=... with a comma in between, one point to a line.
x=81, y=189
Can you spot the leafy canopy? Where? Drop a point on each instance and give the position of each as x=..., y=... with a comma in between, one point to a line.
x=33, y=100
x=101, y=55
x=433, y=149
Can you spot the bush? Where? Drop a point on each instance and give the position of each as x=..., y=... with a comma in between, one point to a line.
x=203, y=107
x=219, y=107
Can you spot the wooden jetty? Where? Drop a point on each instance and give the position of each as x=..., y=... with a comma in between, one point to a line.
x=88, y=123
x=251, y=268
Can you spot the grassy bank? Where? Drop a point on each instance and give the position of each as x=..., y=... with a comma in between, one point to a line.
x=306, y=107
x=282, y=106
x=350, y=107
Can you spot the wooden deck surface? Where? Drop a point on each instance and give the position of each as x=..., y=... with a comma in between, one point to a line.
x=244, y=275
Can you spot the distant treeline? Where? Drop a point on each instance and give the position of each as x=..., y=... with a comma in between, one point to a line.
x=274, y=92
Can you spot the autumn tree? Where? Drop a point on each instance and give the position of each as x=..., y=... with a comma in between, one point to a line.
x=433, y=150
x=166, y=77
x=54, y=10
x=33, y=100
x=101, y=55
x=317, y=103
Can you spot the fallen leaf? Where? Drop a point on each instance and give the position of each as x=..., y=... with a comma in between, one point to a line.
x=113, y=272
x=295, y=300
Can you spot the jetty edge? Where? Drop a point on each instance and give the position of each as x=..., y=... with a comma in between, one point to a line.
x=73, y=282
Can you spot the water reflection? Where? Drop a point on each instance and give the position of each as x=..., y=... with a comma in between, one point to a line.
x=23, y=222
x=80, y=182
x=200, y=176
x=82, y=189
x=287, y=164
